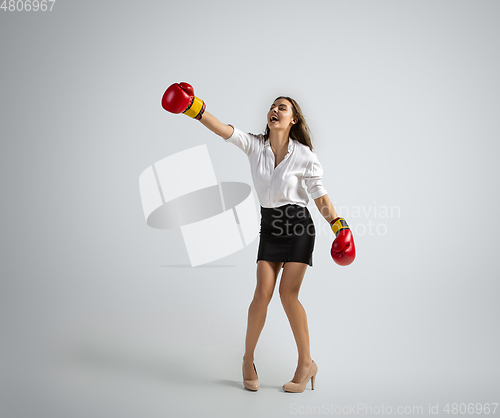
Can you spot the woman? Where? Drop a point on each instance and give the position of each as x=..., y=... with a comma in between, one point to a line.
x=280, y=159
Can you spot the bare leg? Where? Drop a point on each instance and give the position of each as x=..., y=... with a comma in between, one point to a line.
x=291, y=280
x=267, y=273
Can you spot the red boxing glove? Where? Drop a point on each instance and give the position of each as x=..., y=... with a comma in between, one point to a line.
x=180, y=98
x=343, y=251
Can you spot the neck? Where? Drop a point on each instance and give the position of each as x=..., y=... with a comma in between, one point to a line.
x=279, y=139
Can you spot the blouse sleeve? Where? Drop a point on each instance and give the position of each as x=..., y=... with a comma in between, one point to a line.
x=244, y=141
x=313, y=176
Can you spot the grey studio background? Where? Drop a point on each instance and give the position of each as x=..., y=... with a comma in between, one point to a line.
x=101, y=315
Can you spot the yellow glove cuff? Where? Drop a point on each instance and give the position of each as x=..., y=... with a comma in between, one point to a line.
x=196, y=109
x=338, y=225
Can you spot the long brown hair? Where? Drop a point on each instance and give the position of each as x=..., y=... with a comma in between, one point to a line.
x=299, y=131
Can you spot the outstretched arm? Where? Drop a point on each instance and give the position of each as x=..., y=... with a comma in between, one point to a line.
x=180, y=98
x=216, y=126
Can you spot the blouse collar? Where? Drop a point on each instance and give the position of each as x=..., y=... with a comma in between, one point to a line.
x=291, y=144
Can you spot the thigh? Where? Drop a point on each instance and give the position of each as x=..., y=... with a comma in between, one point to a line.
x=267, y=274
x=291, y=278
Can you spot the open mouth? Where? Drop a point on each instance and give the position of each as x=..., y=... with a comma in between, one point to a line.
x=274, y=119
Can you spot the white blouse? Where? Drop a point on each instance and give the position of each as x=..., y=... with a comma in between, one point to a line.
x=281, y=185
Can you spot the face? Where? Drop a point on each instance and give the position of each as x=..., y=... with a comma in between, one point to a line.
x=280, y=115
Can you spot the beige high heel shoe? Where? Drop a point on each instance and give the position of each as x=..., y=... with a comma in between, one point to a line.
x=251, y=384
x=299, y=387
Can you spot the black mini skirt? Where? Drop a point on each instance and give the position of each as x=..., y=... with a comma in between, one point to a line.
x=286, y=234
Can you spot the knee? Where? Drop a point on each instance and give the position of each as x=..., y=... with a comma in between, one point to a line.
x=288, y=297
x=262, y=297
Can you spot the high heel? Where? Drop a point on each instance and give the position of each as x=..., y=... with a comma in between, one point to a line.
x=251, y=384
x=299, y=387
